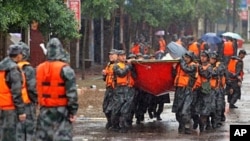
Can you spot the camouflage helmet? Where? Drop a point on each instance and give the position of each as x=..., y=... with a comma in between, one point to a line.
x=55, y=50
x=25, y=50
x=139, y=54
x=213, y=55
x=190, y=54
x=113, y=51
x=121, y=52
x=131, y=56
x=145, y=56
x=205, y=53
x=14, y=49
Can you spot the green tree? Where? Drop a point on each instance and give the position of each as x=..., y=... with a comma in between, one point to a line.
x=52, y=13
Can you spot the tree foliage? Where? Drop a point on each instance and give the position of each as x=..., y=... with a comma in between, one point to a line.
x=213, y=9
x=60, y=20
x=50, y=13
x=55, y=17
x=98, y=8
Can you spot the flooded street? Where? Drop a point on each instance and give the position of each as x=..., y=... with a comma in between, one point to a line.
x=93, y=129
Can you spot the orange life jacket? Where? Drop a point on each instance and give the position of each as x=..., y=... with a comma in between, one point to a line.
x=50, y=86
x=228, y=48
x=201, y=79
x=127, y=80
x=6, y=100
x=214, y=83
x=135, y=49
x=182, y=78
x=109, y=75
x=222, y=79
x=25, y=96
x=162, y=44
x=194, y=48
x=232, y=67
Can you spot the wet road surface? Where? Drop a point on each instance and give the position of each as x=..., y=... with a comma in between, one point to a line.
x=93, y=129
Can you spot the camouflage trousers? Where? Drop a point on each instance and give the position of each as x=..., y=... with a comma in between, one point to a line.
x=9, y=126
x=107, y=101
x=232, y=98
x=27, y=130
x=183, y=99
x=53, y=125
x=122, y=105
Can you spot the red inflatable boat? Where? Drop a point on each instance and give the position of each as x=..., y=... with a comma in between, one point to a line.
x=155, y=76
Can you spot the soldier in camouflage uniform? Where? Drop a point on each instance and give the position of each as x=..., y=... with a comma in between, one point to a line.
x=123, y=93
x=108, y=77
x=57, y=96
x=219, y=73
x=185, y=78
x=12, y=111
x=28, y=127
x=235, y=77
x=205, y=95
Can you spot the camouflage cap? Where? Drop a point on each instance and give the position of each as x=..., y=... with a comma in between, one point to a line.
x=14, y=49
x=213, y=55
x=25, y=50
x=121, y=52
x=113, y=51
x=145, y=56
x=131, y=56
x=190, y=54
x=138, y=54
x=205, y=53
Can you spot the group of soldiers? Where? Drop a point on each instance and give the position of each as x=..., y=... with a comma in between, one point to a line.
x=122, y=101
x=201, y=87
x=201, y=79
x=50, y=87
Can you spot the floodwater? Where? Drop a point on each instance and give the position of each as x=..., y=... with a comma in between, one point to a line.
x=93, y=129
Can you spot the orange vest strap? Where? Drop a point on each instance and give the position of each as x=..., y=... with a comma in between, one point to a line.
x=25, y=96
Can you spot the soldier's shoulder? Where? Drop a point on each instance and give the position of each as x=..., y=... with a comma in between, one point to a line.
x=68, y=72
x=67, y=69
x=8, y=64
